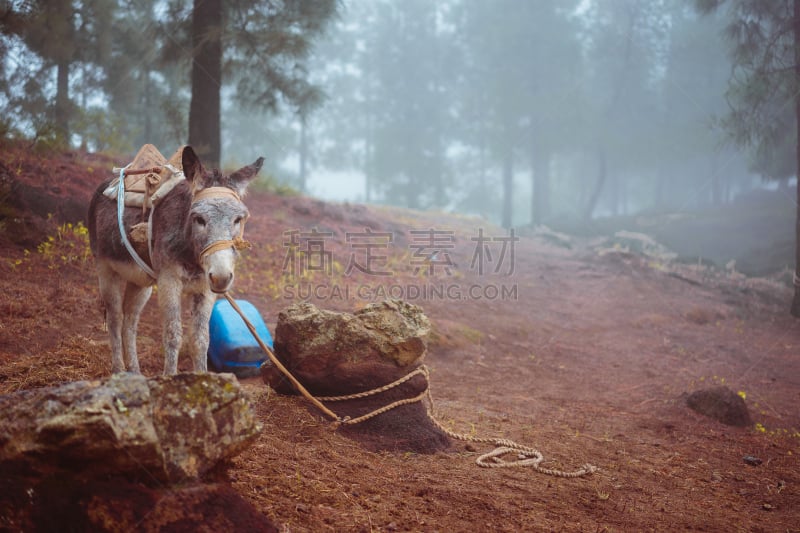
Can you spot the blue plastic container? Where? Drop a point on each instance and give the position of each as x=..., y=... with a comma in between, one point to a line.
x=231, y=347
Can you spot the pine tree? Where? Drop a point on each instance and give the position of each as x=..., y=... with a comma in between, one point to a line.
x=204, y=110
x=764, y=40
x=62, y=33
x=265, y=44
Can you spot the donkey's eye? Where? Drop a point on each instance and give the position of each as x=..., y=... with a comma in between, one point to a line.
x=238, y=220
x=200, y=221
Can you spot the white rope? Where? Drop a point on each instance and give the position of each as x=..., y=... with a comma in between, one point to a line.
x=150, y=232
x=526, y=456
x=172, y=169
x=123, y=234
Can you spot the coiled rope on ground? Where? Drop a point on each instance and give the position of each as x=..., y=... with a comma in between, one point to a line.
x=526, y=455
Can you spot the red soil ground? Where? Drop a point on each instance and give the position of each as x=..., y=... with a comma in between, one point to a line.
x=588, y=363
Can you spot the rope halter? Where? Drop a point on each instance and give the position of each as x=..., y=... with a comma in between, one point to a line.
x=238, y=242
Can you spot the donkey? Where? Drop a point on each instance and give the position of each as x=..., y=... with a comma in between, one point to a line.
x=196, y=230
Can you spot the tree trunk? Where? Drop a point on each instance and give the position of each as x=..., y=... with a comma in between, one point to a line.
x=148, y=122
x=412, y=190
x=661, y=182
x=204, y=110
x=598, y=186
x=540, y=185
x=438, y=191
x=716, y=183
x=508, y=183
x=796, y=301
x=369, y=167
x=62, y=108
x=303, y=152
x=613, y=192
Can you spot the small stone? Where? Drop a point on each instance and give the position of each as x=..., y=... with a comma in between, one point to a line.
x=767, y=507
x=721, y=404
x=752, y=460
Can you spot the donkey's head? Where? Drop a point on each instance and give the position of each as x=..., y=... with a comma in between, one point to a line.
x=215, y=224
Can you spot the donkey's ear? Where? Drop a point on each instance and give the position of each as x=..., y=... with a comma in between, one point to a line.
x=192, y=167
x=242, y=177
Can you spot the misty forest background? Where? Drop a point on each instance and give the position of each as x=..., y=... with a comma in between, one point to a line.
x=524, y=111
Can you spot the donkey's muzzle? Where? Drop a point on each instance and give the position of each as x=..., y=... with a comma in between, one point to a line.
x=220, y=283
x=220, y=280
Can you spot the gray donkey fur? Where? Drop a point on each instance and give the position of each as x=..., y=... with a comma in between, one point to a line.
x=181, y=229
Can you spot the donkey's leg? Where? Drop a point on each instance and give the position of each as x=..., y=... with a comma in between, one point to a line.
x=201, y=313
x=135, y=299
x=169, y=301
x=112, y=292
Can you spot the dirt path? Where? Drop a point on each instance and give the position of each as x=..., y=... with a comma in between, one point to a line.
x=588, y=363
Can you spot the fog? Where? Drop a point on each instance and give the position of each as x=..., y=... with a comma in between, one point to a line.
x=526, y=112
x=579, y=109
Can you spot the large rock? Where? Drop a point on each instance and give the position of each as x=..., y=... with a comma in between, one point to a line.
x=339, y=353
x=335, y=354
x=160, y=430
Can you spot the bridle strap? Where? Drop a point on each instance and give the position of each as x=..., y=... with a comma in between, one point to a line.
x=215, y=192
x=238, y=243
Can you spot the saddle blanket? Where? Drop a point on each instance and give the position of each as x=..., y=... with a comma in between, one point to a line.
x=146, y=189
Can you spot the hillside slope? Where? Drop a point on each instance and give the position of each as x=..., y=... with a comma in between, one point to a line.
x=581, y=352
x=755, y=234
